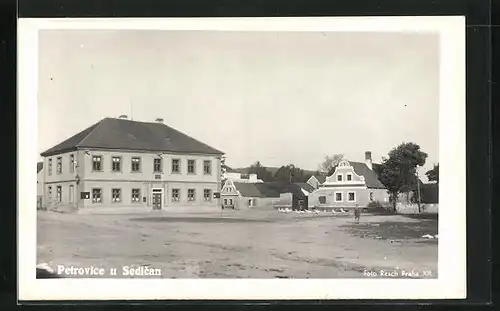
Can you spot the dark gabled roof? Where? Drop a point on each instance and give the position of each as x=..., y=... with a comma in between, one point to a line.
x=307, y=187
x=247, y=189
x=371, y=176
x=274, y=189
x=320, y=178
x=39, y=167
x=111, y=133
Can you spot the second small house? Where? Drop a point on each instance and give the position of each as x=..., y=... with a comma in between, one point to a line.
x=352, y=183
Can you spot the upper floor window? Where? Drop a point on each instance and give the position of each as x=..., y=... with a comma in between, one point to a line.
x=71, y=163
x=339, y=177
x=207, y=167
x=157, y=165
x=50, y=167
x=176, y=167
x=349, y=177
x=59, y=165
x=191, y=166
x=97, y=163
x=116, y=164
x=136, y=164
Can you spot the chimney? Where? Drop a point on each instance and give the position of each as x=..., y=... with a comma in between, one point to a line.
x=123, y=116
x=368, y=159
x=159, y=120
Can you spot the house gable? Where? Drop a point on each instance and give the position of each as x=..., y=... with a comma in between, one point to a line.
x=344, y=175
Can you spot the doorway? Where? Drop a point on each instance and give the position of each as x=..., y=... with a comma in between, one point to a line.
x=157, y=198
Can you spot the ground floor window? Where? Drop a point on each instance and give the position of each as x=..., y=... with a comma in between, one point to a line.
x=116, y=195
x=322, y=199
x=230, y=201
x=191, y=195
x=49, y=192
x=207, y=195
x=225, y=201
x=97, y=195
x=351, y=196
x=175, y=195
x=371, y=196
x=338, y=196
x=249, y=202
x=136, y=195
x=59, y=194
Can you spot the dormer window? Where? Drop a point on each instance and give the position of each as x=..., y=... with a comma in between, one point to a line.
x=349, y=177
x=339, y=177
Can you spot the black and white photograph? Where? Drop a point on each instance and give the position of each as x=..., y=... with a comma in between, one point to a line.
x=238, y=150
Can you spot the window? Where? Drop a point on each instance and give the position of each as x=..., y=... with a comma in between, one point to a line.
x=175, y=195
x=116, y=195
x=371, y=196
x=49, y=192
x=176, y=165
x=322, y=199
x=207, y=195
x=59, y=165
x=136, y=164
x=349, y=177
x=157, y=165
x=230, y=201
x=191, y=166
x=50, y=166
x=59, y=194
x=225, y=201
x=207, y=167
x=116, y=164
x=338, y=196
x=97, y=163
x=191, y=194
x=96, y=195
x=339, y=177
x=71, y=193
x=71, y=163
x=136, y=195
x=351, y=196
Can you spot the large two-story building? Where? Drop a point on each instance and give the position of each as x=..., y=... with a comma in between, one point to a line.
x=124, y=163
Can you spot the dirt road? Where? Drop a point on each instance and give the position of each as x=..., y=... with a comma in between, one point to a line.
x=238, y=244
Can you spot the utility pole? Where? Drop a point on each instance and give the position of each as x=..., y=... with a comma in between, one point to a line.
x=418, y=192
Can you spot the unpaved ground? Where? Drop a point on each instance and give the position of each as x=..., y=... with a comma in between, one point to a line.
x=240, y=244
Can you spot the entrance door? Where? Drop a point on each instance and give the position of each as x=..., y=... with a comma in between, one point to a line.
x=156, y=200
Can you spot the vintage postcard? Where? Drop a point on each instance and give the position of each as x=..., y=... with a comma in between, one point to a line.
x=242, y=158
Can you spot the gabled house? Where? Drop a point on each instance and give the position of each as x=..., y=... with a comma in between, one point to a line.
x=352, y=183
x=239, y=195
x=123, y=163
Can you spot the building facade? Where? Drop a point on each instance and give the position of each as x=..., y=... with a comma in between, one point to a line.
x=124, y=163
x=351, y=184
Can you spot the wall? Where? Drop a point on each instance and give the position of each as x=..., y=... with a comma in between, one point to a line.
x=146, y=191
x=51, y=202
x=361, y=196
x=126, y=179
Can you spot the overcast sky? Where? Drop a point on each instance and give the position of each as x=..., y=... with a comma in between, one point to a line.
x=274, y=97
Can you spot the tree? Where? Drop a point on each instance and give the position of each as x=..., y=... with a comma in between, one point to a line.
x=433, y=175
x=330, y=163
x=261, y=171
x=289, y=173
x=398, y=172
x=223, y=166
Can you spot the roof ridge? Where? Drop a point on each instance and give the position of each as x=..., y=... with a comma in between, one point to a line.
x=92, y=131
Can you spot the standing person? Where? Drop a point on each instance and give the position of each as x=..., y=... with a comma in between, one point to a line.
x=357, y=214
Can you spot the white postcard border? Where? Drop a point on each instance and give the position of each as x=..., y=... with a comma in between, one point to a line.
x=451, y=282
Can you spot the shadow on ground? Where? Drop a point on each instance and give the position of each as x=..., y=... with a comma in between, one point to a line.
x=390, y=230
